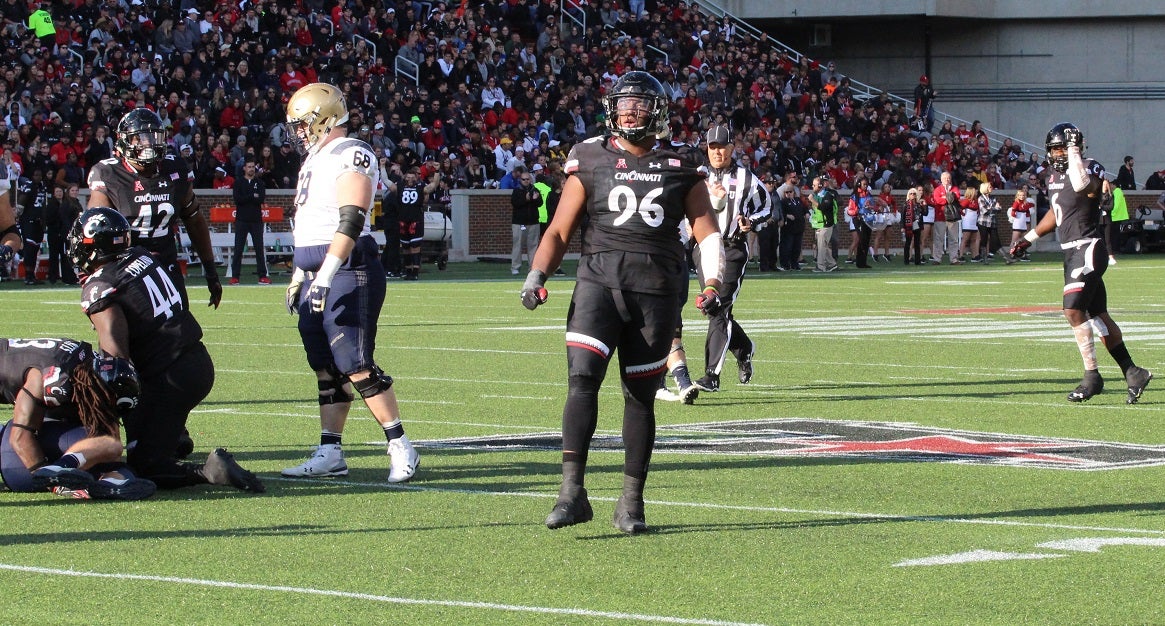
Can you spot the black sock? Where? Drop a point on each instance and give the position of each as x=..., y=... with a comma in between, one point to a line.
x=633, y=487
x=328, y=438
x=395, y=430
x=572, y=472
x=1121, y=354
x=69, y=460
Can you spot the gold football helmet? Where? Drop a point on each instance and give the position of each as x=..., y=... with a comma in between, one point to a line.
x=312, y=112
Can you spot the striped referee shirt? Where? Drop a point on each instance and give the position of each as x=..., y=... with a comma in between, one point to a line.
x=747, y=197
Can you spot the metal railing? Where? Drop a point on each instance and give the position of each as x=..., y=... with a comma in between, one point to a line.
x=861, y=91
x=408, y=69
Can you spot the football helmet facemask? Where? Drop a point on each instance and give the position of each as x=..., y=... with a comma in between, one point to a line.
x=99, y=235
x=312, y=112
x=641, y=91
x=141, y=138
x=120, y=379
x=1058, y=137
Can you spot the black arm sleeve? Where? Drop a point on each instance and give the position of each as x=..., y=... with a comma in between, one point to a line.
x=351, y=221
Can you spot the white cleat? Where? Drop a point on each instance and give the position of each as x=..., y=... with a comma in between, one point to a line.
x=325, y=461
x=403, y=460
x=665, y=395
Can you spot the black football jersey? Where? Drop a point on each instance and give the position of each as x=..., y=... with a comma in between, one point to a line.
x=55, y=358
x=634, y=207
x=1077, y=213
x=412, y=208
x=149, y=203
x=160, y=326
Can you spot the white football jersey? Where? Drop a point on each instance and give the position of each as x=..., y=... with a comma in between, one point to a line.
x=317, y=214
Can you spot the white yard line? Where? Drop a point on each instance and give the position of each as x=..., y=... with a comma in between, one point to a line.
x=463, y=604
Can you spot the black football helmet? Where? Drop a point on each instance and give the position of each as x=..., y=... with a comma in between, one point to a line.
x=141, y=138
x=120, y=378
x=1059, y=137
x=639, y=85
x=99, y=235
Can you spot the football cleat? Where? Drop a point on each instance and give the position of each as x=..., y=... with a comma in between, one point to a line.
x=50, y=476
x=572, y=507
x=327, y=460
x=664, y=394
x=688, y=394
x=709, y=383
x=745, y=366
x=1138, y=378
x=403, y=460
x=629, y=517
x=76, y=494
x=123, y=489
x=1086, y=389
x=185, y=445
x=222, y=469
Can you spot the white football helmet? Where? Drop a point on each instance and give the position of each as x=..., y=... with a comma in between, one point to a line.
x=312, y=112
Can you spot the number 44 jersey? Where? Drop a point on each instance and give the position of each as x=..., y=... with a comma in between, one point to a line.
x=160, y=326
x=631, y=235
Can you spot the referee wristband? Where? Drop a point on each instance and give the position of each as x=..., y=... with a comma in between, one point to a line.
x=1031, y=236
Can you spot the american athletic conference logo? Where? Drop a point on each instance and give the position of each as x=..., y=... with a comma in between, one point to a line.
x=850, y=439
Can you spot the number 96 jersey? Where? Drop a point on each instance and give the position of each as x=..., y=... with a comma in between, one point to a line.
x=317, y=213
x=148, y=203
x=634, y=208
x=160, y=326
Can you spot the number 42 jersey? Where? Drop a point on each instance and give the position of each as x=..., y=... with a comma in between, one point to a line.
x=634, y=207
x=160, y=326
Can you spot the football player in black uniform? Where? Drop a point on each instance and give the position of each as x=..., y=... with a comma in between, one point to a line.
x=634, y=192
x=1074, y=191
x=150, y=187
x=140, y=314
x=64, y=429
x=411, y=214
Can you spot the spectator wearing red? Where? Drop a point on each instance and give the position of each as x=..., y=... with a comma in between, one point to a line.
x=433, y=138
x=222, y=180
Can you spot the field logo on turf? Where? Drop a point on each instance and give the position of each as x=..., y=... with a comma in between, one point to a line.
x=848, y=439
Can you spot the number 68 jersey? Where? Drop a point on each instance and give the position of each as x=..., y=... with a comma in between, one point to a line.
x=317, y=213
x=634, y=207
x=160, y=326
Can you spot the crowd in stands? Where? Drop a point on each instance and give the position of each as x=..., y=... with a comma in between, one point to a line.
x=498, y=83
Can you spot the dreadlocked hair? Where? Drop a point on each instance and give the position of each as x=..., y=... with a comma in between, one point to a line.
x=95, y=404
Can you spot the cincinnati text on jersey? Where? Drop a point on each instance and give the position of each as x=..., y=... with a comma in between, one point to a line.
x=152, y=197
x=651, y=178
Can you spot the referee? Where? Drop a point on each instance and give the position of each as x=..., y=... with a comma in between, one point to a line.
x=740, y=203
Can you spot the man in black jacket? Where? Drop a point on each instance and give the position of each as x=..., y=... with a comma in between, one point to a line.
x=250, y=193
x=525, y=200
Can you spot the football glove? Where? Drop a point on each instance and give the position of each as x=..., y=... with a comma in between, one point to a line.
x=1019, y=247
x=533, y=290
x=317, y=294
x=6, y=253
x=293, y=290
x=709, y=301
x=1073, y=138
x=213, y=284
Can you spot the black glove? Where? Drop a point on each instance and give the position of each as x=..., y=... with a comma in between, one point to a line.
x=212, y=283
x=6, y=253
x=534, y=290
x=1019, y=247
x=1073, y=138
x=318, y=296
x=709, y=301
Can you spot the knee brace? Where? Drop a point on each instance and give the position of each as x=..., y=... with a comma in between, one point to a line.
x=332, y=390
x=377, y=383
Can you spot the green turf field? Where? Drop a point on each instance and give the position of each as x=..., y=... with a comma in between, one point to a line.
x=904, y=455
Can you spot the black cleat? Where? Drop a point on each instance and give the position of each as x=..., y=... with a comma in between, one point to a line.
x=185, y=445
x=71, y=478
x=1138, y=378
x=1090, y=386
x=709, y=383
x=123, y=489
x=629, y=516
x=222, y=469
x=572, y=507
x=745, y=366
